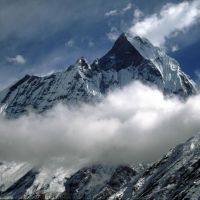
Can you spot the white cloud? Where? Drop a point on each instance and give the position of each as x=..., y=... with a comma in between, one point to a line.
x=175, y=48
x=135, y=124
x=111, y=13
x=172, y=19
x=128, y=7
x=119, y=12
x=113, y=34
x=137, y=15
x=70, y=43
x=18, y=59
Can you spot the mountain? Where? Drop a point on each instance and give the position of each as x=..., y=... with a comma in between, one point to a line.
x=130, y=58
x=175, y=176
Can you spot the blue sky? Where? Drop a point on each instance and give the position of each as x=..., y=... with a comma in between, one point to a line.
x=42, y=36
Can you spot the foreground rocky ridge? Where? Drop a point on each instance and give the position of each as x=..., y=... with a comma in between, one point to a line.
x=175, y=176
x=131, y=58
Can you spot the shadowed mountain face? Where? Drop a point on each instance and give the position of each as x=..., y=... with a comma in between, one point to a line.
x=131, y=58
x=122, y=55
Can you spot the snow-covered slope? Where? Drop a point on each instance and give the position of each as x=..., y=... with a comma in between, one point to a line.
x=131, y=58
x=23, y=180
x=175, y=176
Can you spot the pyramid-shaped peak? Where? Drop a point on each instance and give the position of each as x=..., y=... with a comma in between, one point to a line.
x=128, y=41
x=122, y=54
x=134, y=40
x=128, y=37
x=123, y=36
x=122, y=40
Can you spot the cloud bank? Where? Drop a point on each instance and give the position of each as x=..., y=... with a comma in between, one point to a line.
x=135, y=124
x=171, y=20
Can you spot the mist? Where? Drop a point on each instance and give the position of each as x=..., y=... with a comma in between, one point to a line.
x=132, y=125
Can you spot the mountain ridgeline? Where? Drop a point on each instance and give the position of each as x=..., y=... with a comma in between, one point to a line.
x=130, y=58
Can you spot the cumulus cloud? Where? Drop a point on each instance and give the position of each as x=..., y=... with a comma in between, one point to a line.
x=18, y=59
x=171, y=20
x=135, y=124
x=175, y=48
x=111, y=13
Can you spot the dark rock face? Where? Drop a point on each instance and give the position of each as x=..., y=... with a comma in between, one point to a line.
x=122, y=55
x=98, y=182
x=121, y=176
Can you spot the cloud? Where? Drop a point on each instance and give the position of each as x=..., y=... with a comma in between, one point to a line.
x=135, y=124
x=70, y=43
x=113, y=34
x=111, y=13
x=197, y=74
x=137, y=15
x=128, y=7
x=118, y=12
x=18, y=59
x=175, y=48
x=170, y=21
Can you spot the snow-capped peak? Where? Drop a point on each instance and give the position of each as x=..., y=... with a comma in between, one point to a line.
x=130, y=58
x=168, y=67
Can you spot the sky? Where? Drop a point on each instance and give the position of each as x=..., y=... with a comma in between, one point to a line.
x=40, y=37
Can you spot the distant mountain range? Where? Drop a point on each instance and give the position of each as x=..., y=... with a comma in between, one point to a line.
x=131, y=58
x=175, y=176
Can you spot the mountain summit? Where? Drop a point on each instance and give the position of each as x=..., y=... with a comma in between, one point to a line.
x=130, y=58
